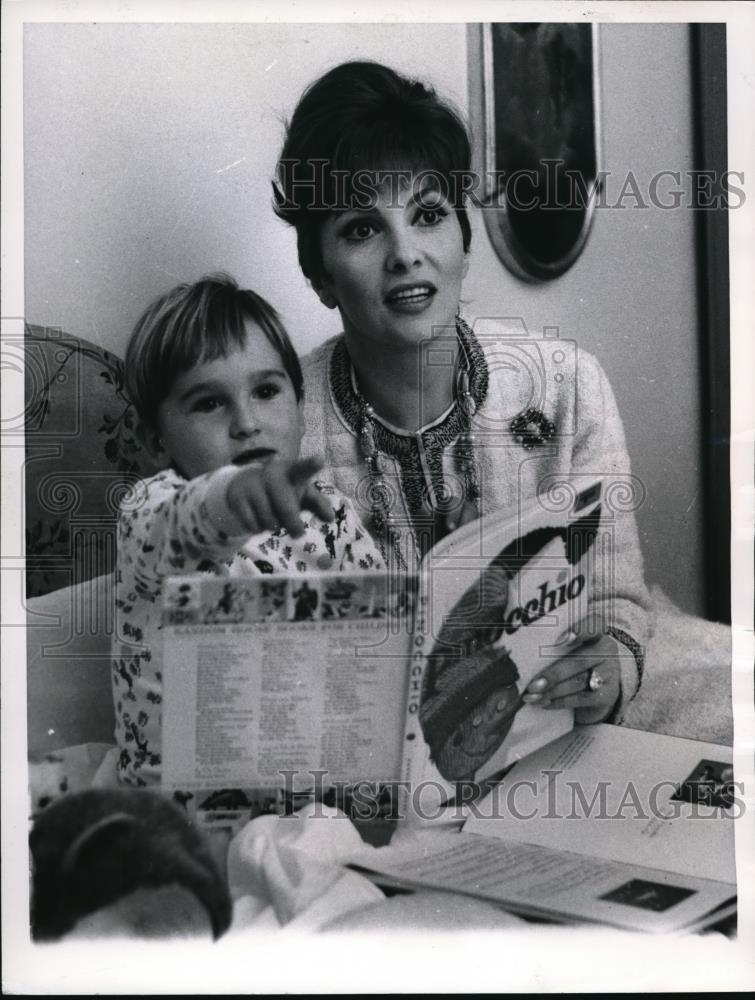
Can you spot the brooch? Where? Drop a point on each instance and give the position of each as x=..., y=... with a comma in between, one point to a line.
x=532, y=428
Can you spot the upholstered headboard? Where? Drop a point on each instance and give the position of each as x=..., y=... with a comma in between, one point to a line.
x=81, y=455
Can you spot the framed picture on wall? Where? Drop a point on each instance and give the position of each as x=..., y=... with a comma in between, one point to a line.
x=538, y=108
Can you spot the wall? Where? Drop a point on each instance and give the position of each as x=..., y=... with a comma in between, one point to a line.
x=630, y=298
x=148, y=153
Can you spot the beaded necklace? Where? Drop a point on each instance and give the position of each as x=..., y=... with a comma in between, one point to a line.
x=379, y=492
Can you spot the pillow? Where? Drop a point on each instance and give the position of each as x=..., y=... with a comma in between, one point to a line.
x=82, y=454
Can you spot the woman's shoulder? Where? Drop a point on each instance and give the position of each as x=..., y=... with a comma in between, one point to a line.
x=535, y=365
x=317, y=359
x=500, y=338
x=315, y=368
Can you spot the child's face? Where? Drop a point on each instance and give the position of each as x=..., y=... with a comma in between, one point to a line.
x=240, y=409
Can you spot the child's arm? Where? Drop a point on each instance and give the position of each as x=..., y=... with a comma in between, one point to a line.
x=177, y=526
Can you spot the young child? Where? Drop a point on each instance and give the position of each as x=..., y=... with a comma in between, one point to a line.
x=218, y=390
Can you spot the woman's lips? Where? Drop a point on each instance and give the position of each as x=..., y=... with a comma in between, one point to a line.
x=410, y=298
x=253, y=455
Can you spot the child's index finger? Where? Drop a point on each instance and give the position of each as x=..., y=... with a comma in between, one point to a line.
x=302, y=470
x=319, y=505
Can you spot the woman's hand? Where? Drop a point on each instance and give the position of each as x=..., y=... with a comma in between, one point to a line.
x=263, y=499
x=587, y=679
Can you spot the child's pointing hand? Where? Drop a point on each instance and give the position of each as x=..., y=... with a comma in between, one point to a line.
x=300, y=473
x=263, y=499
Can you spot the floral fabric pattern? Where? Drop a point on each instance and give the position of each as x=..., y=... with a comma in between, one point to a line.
x=82, y=452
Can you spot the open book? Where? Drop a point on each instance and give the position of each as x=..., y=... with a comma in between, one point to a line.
x=605, y=825
x=321, y=680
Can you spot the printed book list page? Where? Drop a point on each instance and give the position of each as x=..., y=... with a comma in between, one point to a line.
x=246, y=702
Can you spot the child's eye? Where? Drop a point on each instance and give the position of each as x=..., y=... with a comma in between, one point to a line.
x=206, y=404
x=268, y=390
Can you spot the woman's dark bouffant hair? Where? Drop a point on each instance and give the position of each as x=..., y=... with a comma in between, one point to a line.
x=362, y=116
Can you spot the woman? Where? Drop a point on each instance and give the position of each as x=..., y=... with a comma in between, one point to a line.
x=425, y=423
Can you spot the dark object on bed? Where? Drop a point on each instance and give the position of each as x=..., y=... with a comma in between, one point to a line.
x=96, y=848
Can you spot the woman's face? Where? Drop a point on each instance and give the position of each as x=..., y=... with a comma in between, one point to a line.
x=395, y=269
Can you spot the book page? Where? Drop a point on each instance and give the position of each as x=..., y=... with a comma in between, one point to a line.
x=629, y=796
x=497, y=601
x=539, y=881
x=273, y=681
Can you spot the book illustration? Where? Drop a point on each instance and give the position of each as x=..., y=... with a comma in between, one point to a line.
x=586, y=497
x=578, y=537
x=655, y=896
x=711, y=783
x=306, y=598
x=213, y=601
x=182, y=600
x=190, y=601
x=236, y=604
x=338, y=599
x=273, y=598
x=365, y=597
x=469, y=691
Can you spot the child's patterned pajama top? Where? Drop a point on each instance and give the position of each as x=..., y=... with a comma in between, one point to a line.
x=170, y=526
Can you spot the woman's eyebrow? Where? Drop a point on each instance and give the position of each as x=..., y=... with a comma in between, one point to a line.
x=424, y=190
x=356, y=210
